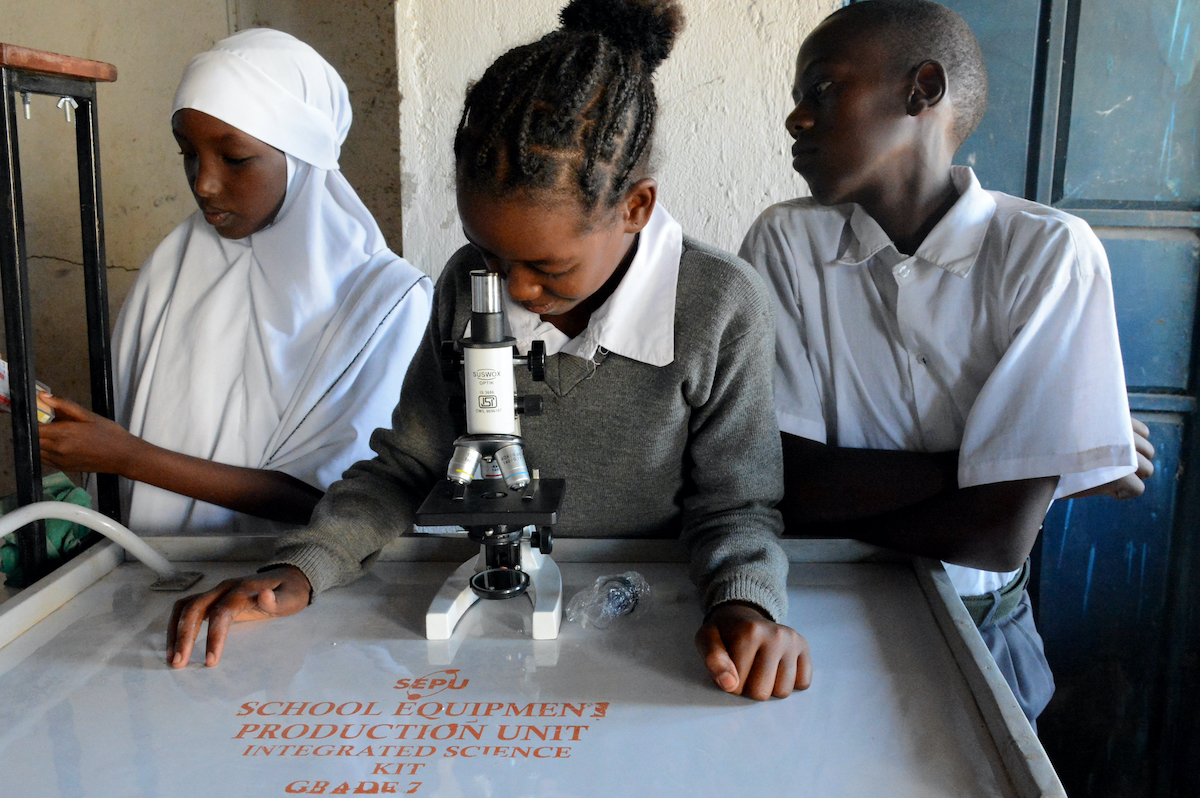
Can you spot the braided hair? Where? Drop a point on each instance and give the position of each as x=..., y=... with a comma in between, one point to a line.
x=572, y=113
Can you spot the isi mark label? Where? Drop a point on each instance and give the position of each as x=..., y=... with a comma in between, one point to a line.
x=394, y=746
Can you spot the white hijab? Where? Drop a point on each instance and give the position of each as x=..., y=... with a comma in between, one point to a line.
x=247, y=352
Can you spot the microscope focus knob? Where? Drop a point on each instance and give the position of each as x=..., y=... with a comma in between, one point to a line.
x=529, y=405
x=451, y=360
x=543, y=539
x=537, y=361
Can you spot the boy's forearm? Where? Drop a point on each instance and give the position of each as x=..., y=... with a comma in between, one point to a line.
x=830, y=484
x=991, y=527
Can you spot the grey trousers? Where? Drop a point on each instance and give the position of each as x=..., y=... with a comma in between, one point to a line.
x=1017, y=648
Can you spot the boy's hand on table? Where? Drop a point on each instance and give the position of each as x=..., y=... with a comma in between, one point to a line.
x=80, y=440
x=270, y=594
x=1132, y=485
x=748, y=654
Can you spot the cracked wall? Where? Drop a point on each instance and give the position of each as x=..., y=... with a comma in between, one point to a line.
x=145, y=194
x=721, y=149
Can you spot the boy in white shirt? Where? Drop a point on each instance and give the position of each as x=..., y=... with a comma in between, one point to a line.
x=947, y=359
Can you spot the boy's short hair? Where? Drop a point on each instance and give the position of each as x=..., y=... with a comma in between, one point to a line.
x=919, y=30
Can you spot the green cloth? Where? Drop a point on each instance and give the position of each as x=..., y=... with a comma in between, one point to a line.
x=63, y=538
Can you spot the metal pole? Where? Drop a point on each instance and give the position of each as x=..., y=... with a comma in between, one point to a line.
x=91, y=216
x=14, y=280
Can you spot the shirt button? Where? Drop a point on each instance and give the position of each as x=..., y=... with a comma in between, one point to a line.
x=922, y=360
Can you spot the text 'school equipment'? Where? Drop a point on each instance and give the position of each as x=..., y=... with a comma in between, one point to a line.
x=488, y=489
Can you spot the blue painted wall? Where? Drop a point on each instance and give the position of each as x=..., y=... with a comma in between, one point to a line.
x=1116, y=582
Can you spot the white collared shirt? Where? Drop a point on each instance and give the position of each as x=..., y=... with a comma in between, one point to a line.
x=637, y=321
x=997, y=338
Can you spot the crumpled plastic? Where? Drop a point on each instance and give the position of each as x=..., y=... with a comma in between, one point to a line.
x=609, y=599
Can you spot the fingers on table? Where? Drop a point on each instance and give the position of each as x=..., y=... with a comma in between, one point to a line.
x=220, y=607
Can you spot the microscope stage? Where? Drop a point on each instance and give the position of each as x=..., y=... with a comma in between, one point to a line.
x=489, y=502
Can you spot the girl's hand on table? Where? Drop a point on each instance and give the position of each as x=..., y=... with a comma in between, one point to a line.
x=271, y=594
x=80, y=440
x=748, y=654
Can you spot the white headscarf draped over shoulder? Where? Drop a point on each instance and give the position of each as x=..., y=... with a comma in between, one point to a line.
x=283, y=350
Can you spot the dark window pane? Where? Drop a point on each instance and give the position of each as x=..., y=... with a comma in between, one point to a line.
x=1135, y=106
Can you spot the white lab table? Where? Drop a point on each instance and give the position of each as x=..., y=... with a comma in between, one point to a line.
x=348, y=697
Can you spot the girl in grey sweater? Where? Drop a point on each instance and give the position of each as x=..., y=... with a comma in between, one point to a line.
x=658, y=406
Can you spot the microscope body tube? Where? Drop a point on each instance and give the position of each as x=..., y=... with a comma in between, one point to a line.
x=491, y=390
x=488, y=377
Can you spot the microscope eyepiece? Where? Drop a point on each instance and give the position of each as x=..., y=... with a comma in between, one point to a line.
x=487, y=312
x=485, y=292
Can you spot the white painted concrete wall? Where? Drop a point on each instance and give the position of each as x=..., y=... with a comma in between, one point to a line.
x=358, y=38
x=722, y=152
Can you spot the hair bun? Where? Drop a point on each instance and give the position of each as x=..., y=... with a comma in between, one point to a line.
x=645, y=27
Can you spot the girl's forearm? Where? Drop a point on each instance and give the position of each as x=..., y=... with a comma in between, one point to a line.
x=273, y=495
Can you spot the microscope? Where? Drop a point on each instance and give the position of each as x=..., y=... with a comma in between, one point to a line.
x=488, y=489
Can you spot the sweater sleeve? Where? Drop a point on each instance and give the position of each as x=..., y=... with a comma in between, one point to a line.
x=376, y=500
x=730, y=524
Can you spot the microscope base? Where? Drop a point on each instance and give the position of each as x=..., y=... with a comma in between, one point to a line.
x=456, y=596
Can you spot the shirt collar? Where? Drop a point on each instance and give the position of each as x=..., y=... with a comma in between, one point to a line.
x=954, y=243
x=637, y=321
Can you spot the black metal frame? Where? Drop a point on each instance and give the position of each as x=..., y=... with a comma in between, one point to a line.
x=14, y=280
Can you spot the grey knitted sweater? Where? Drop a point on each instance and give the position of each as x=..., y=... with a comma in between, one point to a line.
x=688, y=450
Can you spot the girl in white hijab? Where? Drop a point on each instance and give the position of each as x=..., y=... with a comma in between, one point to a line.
x=269, y=334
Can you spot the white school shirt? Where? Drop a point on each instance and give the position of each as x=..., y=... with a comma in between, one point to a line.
x=637, y=321
x=997, y=338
